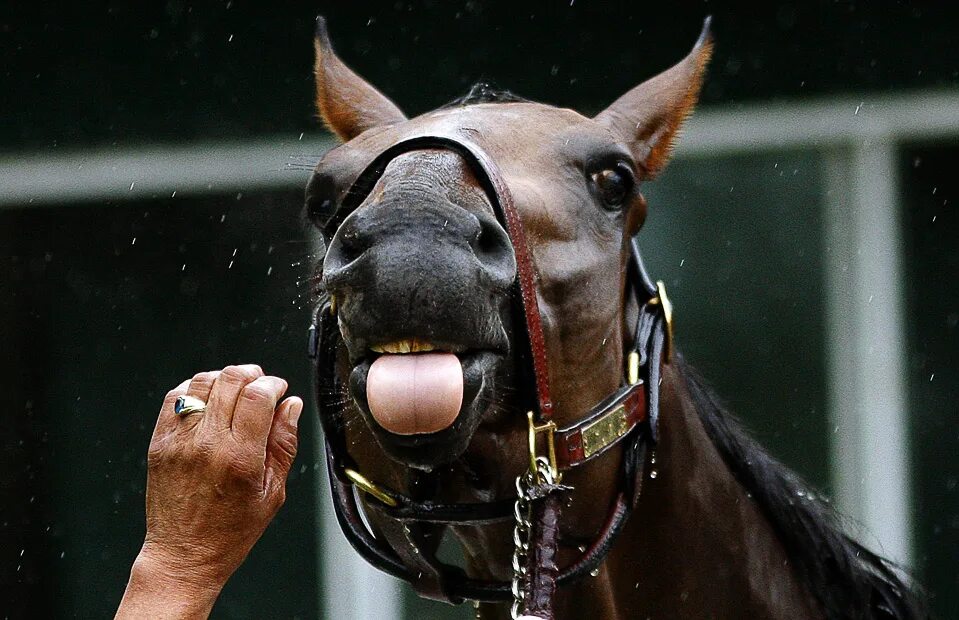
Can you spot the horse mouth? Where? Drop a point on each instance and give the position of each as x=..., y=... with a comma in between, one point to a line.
x=424, y=399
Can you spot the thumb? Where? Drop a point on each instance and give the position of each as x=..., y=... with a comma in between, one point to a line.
x=282, y=442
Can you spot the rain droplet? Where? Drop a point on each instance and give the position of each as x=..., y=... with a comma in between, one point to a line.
x=595, y=571
x=653, y=473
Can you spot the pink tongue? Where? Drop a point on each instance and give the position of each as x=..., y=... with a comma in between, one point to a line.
x=417, y=393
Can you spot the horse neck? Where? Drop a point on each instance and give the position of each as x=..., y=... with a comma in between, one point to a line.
x=696, y=544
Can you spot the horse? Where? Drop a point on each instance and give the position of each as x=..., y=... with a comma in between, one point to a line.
x=441, y=232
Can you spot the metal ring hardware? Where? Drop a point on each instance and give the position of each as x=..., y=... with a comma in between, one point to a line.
x=367, y=486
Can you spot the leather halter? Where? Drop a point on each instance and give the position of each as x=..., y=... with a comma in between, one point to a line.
x=630, y=414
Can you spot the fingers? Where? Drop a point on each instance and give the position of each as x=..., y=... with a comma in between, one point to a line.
x=224, y=395
x=201, y=384
x=282, y=444
x=167, y=420
x=254, y=411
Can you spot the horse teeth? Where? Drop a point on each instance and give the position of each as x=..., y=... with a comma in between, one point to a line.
x=410, y=345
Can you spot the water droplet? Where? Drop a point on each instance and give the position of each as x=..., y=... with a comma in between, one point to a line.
x=653, y=473
x=595, y=571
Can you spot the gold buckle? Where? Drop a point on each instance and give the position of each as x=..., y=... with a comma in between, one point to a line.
x=667, y=305
x=550, y=429
x=368, y=486
x=632, y=368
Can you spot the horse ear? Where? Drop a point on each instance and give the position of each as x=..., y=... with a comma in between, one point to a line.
x=346, y=102
x=649, y=116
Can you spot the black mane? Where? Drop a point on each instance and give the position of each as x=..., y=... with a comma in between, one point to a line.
x=848, y=580
x=483, y=92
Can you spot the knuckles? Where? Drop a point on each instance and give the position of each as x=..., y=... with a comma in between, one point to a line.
x=241, y=374
x=204, y=379
x=258, y=395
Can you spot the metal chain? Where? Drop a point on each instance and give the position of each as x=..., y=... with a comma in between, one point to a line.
x=522, y=527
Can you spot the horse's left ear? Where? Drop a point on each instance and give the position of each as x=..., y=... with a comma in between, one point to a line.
x=648, y=117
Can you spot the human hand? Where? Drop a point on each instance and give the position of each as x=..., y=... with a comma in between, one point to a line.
x=215, y=479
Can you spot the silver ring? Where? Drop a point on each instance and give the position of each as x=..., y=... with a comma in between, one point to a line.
x=185, y=405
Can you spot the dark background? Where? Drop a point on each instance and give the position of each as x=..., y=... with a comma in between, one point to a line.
x=78, y=74
x=89, y=318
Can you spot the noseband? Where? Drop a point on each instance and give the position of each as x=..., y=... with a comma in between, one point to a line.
x=629, y=416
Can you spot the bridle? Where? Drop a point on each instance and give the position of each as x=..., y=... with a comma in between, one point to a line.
x=628, y=416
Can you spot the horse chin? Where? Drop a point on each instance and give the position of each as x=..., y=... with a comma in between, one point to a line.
x=426, y=451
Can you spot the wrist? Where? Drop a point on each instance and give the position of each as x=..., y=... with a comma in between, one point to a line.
x=159, y=588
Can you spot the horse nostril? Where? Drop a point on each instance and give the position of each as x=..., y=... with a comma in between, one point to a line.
x=494, y=251
x=345, y=248
x=352, y=246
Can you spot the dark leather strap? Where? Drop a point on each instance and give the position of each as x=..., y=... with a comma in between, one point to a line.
x=542, y=569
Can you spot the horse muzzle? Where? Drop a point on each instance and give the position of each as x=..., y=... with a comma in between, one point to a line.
x=423, y=302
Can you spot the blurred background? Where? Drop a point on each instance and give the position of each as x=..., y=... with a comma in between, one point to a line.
x=152, y=163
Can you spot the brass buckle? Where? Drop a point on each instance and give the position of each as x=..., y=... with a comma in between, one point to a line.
x=632, y=368
x=368, y=486
x=550, y=429
x=662, y=299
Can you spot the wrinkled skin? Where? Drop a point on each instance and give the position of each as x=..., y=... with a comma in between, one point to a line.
x=408, y=263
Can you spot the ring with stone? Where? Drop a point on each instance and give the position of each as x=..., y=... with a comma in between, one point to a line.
x=185, y=405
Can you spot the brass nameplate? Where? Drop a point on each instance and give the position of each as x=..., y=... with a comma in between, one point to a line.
x=604, y=431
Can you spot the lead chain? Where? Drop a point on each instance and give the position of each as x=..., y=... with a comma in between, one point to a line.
x=522, y=508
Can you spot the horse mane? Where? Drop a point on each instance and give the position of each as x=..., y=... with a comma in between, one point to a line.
x=484, y=92
x=848, y=580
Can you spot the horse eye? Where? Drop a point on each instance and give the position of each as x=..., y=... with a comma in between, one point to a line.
x=613, y=185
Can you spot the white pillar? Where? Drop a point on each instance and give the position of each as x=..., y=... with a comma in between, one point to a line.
x=865, y=346
x=351, y=588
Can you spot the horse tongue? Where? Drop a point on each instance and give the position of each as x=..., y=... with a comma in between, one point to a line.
x=415, y=394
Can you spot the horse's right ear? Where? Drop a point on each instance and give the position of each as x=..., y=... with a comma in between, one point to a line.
x=346, y=102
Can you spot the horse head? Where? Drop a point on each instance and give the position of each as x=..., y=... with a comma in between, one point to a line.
x=422, y=271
